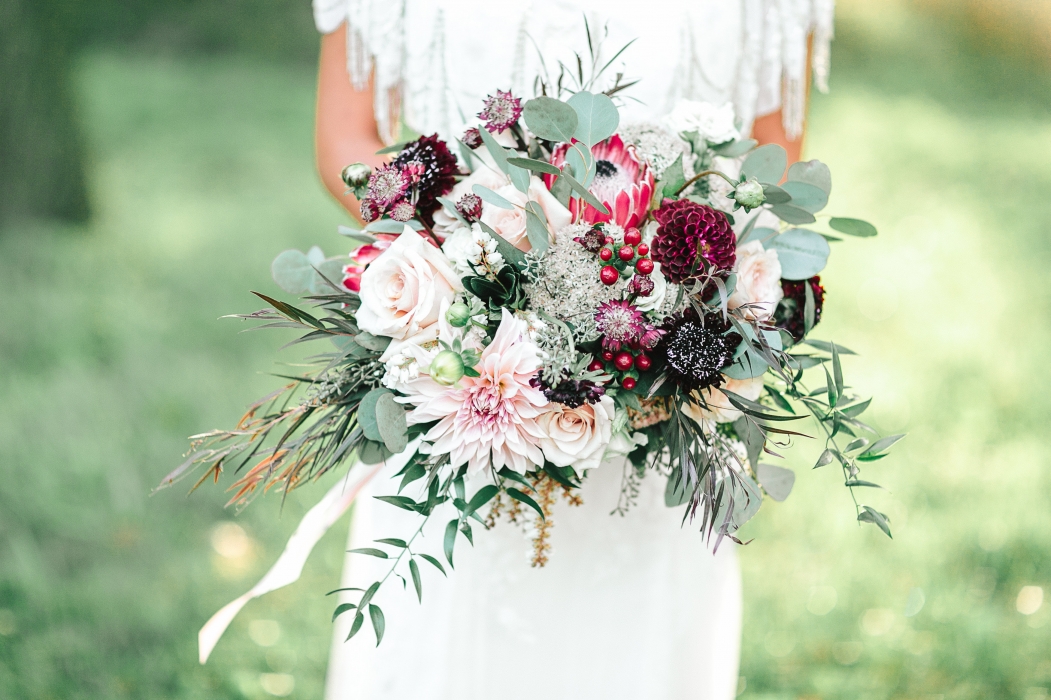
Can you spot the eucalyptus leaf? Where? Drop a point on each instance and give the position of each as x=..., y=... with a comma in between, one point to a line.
x=597, y=117
x=550, y=119
x=391, y=423
x=582, y=164
x=672, y=179
x=585, y=194
x=792, y=214
x=367, y=418
x=368, y=341
x=853, y=227
x=392, y=226
x=538, y=166
x=776, y=195
x=492, y=197
x=766, y=164
x=806, y=196
x=536, y=228
x=812, y=172
x=495, y=150
x=301, y=274
x=373, y=452
x=776, y=481
x=378, y=623
x=801, y=252
x=735, y=149
x=417, y=583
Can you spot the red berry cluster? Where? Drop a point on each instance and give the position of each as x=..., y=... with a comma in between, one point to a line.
x=633, y=254
x=624, y=363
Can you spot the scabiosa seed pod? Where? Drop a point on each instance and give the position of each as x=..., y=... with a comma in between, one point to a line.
x=749, y=194
x=573, y=393
x=438, y=175
x=356, y=175
x=687, y=230
x=472, y=138
x=791, y=311
x=696, y=351
x=470, y=207
x=501, y=111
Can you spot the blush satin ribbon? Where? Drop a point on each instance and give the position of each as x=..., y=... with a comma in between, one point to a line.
x=314, y=525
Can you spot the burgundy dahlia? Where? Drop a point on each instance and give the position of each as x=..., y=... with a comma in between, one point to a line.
x=687, y=229
x=790, y=313
x=695, y=351
x=428, y=159
x=501, y=111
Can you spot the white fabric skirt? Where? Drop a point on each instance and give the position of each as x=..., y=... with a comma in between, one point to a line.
x=628, y=607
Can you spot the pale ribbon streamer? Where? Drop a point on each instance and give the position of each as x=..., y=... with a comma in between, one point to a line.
x=289, y=565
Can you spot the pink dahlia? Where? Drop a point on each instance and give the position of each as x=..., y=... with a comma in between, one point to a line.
x=623, y=182
x=488, y=420
x=361, y=257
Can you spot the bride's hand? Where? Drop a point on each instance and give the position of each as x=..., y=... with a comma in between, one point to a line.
x=345, y=126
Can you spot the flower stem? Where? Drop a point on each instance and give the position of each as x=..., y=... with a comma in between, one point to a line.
x=698, y=176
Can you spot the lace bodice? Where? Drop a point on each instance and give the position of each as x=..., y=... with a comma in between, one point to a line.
x=433, y=61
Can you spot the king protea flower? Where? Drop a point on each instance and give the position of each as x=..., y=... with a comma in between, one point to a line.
x=362, y=256
x=489, y=419
x=623, y=182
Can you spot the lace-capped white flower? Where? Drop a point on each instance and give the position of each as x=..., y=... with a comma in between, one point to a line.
x=400, y=368
x=472, y=251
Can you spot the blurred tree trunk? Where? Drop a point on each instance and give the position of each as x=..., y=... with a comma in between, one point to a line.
x=41, y=149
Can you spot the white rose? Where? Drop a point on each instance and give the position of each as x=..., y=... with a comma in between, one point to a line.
x=459, y=248
x=719, y=408
x=758, y=281
x=576, y=437
x=715, y=124
x=403, y=289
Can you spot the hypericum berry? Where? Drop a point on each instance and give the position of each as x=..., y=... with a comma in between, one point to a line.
x=628, y=383
x=644, y=266
x=606, y=254
x=609, y=275
x=626, y=253
x=643, y=249
x=595, y=366
x=607, y=355
x=632, y=236
x=643, y=362
x=609, y=240
x=623, y=361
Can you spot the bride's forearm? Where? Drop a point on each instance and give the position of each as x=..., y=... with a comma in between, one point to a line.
x=345, y=124
x=770, y=129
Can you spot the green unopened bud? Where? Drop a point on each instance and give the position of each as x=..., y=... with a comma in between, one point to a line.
x=356, y=175
x=458, y=315
x=447, y=367
x=749, y=194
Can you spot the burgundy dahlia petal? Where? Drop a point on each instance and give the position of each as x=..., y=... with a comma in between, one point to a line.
x=687, y=230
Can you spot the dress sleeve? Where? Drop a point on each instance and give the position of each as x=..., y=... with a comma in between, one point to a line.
x=375, y=48
x=781, y=32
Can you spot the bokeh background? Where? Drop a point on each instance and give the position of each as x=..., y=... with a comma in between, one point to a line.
x=155, y=157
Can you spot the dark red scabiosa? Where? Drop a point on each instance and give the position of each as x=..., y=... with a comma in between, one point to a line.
x=687, y=229
x=592, y=240
x=433, y=169
x=623, y=183
x=571, y=392
x=501, y=111
x=695, y=351
x=470, y=207
x=790, y=313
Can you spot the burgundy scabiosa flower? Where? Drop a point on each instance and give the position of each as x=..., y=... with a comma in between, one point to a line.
x=623, y=183
x=570, y=392
x=687, y=229
x=470, y=207
x=695, y=350
x=790, y=313
x=501, y=111
x=432, y=171
x=640, y=285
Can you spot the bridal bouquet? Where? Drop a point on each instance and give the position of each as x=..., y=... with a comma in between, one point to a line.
x=566, y=292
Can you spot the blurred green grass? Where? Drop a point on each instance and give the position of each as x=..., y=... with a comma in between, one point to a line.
x=202, y=171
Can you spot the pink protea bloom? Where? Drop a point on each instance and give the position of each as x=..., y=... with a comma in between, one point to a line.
x=623, y=183
x=489, y=420
x=361, y=257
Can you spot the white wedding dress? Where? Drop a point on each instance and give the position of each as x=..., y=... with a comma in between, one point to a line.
x=629, y=607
